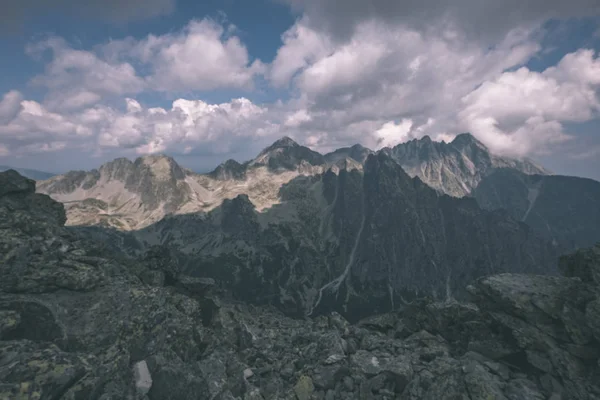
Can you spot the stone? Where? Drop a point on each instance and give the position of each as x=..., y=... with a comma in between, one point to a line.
x=326, y=377
x=304, y=388
x=143, y=379
x=248, y=373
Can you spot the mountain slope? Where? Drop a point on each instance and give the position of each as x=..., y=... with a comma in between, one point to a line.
x=564, y=209
x=454, y=168
x=29, y=173
x=351, y=242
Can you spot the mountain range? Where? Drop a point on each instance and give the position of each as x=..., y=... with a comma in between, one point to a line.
x=133, y=194
x=353, y=230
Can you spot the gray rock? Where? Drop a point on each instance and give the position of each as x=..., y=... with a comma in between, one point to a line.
x=143, y=379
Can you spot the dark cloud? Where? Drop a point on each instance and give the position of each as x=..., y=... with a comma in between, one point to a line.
x=483, y=19
x=15, y=13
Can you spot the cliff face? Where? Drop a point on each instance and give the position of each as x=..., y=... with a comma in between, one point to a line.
x=77, y=321
x=563, y=209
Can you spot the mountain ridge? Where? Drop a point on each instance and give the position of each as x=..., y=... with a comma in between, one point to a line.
x=132, y=194
x=454, y=168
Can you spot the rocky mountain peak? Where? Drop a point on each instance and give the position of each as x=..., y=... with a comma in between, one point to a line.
x=161, y=166
x=284, y=142
x=229, y=170
x=356, y=152
x=454, y=168
x=12, y=182
x=118, y=169
x=286, y=154
x=18, y=198
x=465, y=140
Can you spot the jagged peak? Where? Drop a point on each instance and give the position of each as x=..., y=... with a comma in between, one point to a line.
x=466, y=139
x=150, y=159
x=117, y=162
x=285, y=153
x=230, y=162
x=230, y=169
x=285, y=141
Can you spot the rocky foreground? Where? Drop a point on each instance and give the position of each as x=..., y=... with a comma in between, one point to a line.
x=77, y=323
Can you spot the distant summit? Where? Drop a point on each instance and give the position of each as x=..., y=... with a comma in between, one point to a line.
x=466, y=139
x=357, y=153
x=286, y=154
x=29, y=173
x=454, y=168
x=230, y=169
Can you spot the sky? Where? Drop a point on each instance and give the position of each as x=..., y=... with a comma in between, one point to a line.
x=82, y=83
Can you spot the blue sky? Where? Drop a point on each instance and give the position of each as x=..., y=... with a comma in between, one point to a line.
x=222, y=79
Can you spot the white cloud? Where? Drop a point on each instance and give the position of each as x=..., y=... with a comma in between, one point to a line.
x=35, y=129
x=10, y=105
x=71, y=100
x=185, y=127
x=79, y=78
x=383, y=74
x=296, y=119
x=392, y=133
x=522, y=112
x=203, y=56
x=70, y=69
x=301, y=47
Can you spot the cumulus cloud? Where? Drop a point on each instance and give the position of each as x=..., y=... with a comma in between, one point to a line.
x=523, y=110
x=301, y=47
x=184, y=127
x=382, y=74
x=388, y=84
x=79, y=78
x=35, y=129
x=202, y=56
x=187, y=125
x=392, y=133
